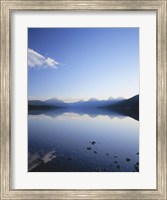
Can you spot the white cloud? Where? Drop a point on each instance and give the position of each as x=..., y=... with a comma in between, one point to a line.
x=36, y=60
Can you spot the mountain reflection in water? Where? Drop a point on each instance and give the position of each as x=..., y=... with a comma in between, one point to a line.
x=82, y=140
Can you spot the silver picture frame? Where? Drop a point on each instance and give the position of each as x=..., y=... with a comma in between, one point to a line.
x=7, y=7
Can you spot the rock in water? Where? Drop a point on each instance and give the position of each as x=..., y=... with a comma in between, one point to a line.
x=70, y=158
x=92, y=142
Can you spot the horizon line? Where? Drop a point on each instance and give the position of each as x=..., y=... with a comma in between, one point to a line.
x=72, y=100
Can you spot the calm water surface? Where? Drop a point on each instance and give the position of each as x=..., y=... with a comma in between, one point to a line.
x=82, y=142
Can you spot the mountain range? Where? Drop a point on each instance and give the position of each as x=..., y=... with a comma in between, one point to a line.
x=129, y=107
x=110, y=103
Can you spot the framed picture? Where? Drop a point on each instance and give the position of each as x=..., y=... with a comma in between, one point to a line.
x=83, y=99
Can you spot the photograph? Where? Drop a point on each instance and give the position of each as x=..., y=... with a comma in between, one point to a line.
x=83, y=99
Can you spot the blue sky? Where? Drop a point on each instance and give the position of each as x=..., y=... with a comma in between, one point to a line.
x=81, y=63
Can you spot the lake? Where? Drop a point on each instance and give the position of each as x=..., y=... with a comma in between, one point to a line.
x=82, y=141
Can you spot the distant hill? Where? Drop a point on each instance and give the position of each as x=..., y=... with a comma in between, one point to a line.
x=48, y=104
x=130, y=103
x=36, y=103
x=128, y=107
x=95, y=103
x=56, y=102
